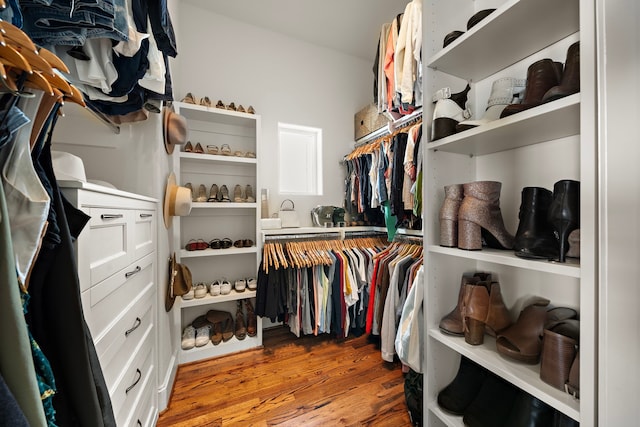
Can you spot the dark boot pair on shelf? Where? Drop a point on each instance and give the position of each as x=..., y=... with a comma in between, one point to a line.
x=547, y=80
x=549, y=222
x=250, y=327
x=470, y=216
x=486, y=400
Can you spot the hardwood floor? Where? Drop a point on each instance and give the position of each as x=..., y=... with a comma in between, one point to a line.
x=307, y=381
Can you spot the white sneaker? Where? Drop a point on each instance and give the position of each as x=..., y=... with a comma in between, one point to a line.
x=189, y=295
x=225, y=287
x=200, y=290
x=214, y=289
x=203, y=335
x=252, y=284
x=188, y=338
x=240, y=285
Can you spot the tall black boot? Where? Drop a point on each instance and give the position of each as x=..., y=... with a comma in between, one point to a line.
x=535, y=238
x=464, y=388
x=564, y=212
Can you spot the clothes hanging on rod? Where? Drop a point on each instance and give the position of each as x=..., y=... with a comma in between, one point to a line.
x=47, y=357
x=382, y=179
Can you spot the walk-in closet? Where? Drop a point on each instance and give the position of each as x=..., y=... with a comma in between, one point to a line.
x=286, y=212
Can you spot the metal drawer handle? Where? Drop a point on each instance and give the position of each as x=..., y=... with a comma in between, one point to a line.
x=131, y=273
x=143, y=215
x=135, y=383
x=135, y=326
x=111, y=216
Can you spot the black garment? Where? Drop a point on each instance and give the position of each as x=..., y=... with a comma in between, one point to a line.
x=11, y=415
x=398, y=147
x=337, y=300
x=57, y=321
x=261, y=290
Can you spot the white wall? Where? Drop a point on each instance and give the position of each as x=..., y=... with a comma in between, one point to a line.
x=285, y=80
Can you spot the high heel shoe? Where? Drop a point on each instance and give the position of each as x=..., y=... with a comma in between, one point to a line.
x=453, y=195
x=223, y=194
x=570, y=82
x=451, y=323
x=483, y=311
x=450, y=109
x=542, y=75
x=535, y=238
x=559, y=348
x=479, y=217
x=213, y=193
x=564, y=212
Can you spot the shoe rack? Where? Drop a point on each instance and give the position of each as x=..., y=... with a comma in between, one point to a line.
x=536, y=147
x=217, y=220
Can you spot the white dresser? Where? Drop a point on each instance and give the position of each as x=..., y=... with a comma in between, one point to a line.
x=116, y=255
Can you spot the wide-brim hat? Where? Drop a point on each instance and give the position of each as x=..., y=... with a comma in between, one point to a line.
x=180, y=281
x=177, y=200
x=171, y=297
x=174, y=129
x=67, y=167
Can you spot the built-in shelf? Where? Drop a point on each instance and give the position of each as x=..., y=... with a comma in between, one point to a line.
x=222, y=205
x=217, y=158
x=217, y=252
x=546, y=122
x=209, y=350
x=208, y=299
x=571, y=268
x=526, y=377
x=513, y=31
x=202, y=113
x=449, y=420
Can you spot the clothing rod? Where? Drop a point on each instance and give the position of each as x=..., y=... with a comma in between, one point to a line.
x=387, y=130
x=310, y=236
x=103, y=118
x=373, y=233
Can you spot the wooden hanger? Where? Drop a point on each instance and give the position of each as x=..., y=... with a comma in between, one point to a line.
x=53, y=60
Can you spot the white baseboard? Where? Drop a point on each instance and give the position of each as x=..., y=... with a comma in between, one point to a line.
x=165, y=387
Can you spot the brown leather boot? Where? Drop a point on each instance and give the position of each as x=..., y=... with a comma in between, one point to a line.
x=241, y=330
x=452, y=323
x=542, y=75
x=479, y=217
x=483, y=311
x=570, y=82
x=252, y=320
x=453, y=195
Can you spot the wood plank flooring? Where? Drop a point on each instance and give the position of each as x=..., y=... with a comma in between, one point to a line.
x=307, y=381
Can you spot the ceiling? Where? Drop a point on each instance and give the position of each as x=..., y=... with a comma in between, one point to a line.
x=348, y=26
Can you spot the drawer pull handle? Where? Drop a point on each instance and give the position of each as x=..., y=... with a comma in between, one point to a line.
x=135, y=383
x=135, y=326
x=143, y=215
x=111, y=216
x=131, y=273
x=139, y=423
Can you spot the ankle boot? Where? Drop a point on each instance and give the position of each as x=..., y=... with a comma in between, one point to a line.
x=452, y=323
x=562, y=420
x=535, y=238
x=449, y=215
x=479, y=217
x=564, y=212
x=252, y=320
x=570, y=82
x=503, y=92
x=493, y=404
x=458, y=395
x=450, y=109
x=542, y=75
x=528, y=411
x=483, y=310
x=241, y=330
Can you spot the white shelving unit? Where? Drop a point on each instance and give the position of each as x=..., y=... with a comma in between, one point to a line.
x=537, y=147
x=218, y=220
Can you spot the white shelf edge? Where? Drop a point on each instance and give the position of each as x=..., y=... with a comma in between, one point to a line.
x=223, y=205
x=525, y=377
x=217, y=158
x=209, y=350
x=449, y=419
x=217, y=252
x=503, y=257
x=208, y=299
x=556, y=119
x=214, y=109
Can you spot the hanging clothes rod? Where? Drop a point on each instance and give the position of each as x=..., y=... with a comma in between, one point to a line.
x=406, y=238
x=371, y=233
x=310, y=236
x=391, y=127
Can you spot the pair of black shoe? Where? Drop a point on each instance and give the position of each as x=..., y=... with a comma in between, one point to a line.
x=547, y=219
x=486, y=400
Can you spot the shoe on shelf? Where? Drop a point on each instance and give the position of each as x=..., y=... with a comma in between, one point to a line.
x=241, y=329
x=451, y=323
x=570, y=82
x=189, y=295
x=237, y=194
x=241, y=109
x=190, y=187
x=213, y=193
x=238, y=243
x=213, y=149
x=252, y=320
x=250, y=198
x=240, y=285
x=247, y=243
x=250, y=110
x=200, y=321
x=542, y=75
x=250, y=155
x=216, y=333
x=453, y=195
x=450, y=110
x=252, y=283
x=214, y=289
x=228, y=330
x=223, y=194
x=483, y=311
x=214, y=244
x=225, y=150
x=534, y=238
x=188, y=148
x=225, y=287
x=203, y=335
x=231, y=107
x=202, y=194
x=564, y=212
x=188, y=337
x=196, y=245
x=451, y=37
x=198, y=149
x=464, y=388
x=189, y=98
x=205, y=101
x=200, y=290
x=559, y=349
x=477, y=17
x=220, y=104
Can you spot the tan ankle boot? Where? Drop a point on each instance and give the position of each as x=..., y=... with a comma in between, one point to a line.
x=483, y=311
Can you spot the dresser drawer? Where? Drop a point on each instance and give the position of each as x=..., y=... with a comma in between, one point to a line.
x=130, y=384
x=105, y=302
x=143, y=233
x=108, y=242
x=119, y=341
x=144, y=410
